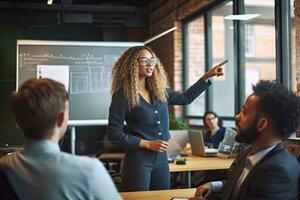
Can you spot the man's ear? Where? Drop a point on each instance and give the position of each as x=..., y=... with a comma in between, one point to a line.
x=262, y=124
x=60, y=119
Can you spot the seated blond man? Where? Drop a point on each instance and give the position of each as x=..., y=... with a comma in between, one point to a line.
x=41, y=110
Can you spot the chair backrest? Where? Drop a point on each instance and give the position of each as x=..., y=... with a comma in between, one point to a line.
x=298, y=158
x=6, y=188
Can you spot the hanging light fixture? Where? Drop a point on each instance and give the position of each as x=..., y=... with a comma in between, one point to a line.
x=49, y=2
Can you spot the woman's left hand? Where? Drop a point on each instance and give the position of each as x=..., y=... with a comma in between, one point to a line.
x=215, y=71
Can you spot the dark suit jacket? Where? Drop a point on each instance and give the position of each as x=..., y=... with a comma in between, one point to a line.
x=275, y=177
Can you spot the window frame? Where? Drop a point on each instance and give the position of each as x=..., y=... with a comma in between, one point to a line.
x=282, y=44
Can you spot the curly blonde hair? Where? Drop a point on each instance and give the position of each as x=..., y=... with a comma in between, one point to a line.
x=125, y=76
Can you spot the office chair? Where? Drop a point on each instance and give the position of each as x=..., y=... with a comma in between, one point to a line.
x=298, y=158
x=112, y=161
x=6, y=187
x=113, y=165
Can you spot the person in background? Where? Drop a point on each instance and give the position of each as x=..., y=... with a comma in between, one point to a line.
x=41, y=110
x=216, y=131
x=140, y=97
x=215, y=136
x=264, y=170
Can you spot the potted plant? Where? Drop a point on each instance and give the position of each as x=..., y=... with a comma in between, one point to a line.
x=177, y=123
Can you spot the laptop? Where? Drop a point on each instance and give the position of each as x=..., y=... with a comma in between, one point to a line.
x=197, y=144
x=177, y=143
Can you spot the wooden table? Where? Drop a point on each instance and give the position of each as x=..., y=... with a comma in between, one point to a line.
x=193, y=163
x=197, y=163
x=119, y=156
x=158, y=194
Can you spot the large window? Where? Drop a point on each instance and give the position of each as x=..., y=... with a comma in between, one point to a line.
x=222, y=89
x=247, y=33
x=260, y=43
x=293, y=50
x=249, y=41
x=196, y=62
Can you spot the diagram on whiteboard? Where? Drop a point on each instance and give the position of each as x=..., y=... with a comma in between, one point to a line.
x=58, y=73
x=87, y=74
x=84, y=67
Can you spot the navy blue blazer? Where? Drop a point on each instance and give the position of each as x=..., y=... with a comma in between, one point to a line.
x=275, y=177
x=145, y=121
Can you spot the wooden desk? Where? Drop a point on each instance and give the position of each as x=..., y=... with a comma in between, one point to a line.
x=197, y=163
x=117, y=156
x=158, y=194
x=193, y=163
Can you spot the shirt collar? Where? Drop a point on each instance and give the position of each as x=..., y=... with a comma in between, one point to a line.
x=41, y=146
x=255, y=158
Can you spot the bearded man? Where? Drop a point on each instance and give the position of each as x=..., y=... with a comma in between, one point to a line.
x=265, y=170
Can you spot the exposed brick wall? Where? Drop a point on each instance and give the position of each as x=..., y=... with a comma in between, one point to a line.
x=297, y=27
x=137, y=34
x=293, y=146
x=165, y=51
x=163, y=16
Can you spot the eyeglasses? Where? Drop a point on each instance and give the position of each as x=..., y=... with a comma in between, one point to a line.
x=147, y=61
x=210, y=118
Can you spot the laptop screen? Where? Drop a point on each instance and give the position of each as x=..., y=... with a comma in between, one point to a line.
x=197, y=144
x=178, y=140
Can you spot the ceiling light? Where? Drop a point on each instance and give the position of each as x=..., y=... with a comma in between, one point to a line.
x=49, y=2
x=243, y=17
x=160, y=35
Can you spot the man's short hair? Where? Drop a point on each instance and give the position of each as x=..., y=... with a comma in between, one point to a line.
x=36, y=106
x=282, y=105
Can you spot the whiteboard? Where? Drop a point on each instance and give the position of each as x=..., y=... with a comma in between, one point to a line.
x=90, y=66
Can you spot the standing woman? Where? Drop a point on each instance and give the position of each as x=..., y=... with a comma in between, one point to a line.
x=140, y=97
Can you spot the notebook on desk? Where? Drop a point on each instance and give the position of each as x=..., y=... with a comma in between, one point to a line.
x=197, y=144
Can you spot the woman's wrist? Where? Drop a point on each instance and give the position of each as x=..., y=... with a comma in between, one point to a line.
x=205, y=78
x=144, y=144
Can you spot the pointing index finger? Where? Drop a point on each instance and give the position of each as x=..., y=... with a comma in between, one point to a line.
x=221, y=64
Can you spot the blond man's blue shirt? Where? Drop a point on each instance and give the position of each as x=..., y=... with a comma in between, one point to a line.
x=47, y=173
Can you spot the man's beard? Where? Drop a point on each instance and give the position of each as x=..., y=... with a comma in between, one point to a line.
x=248, y=135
